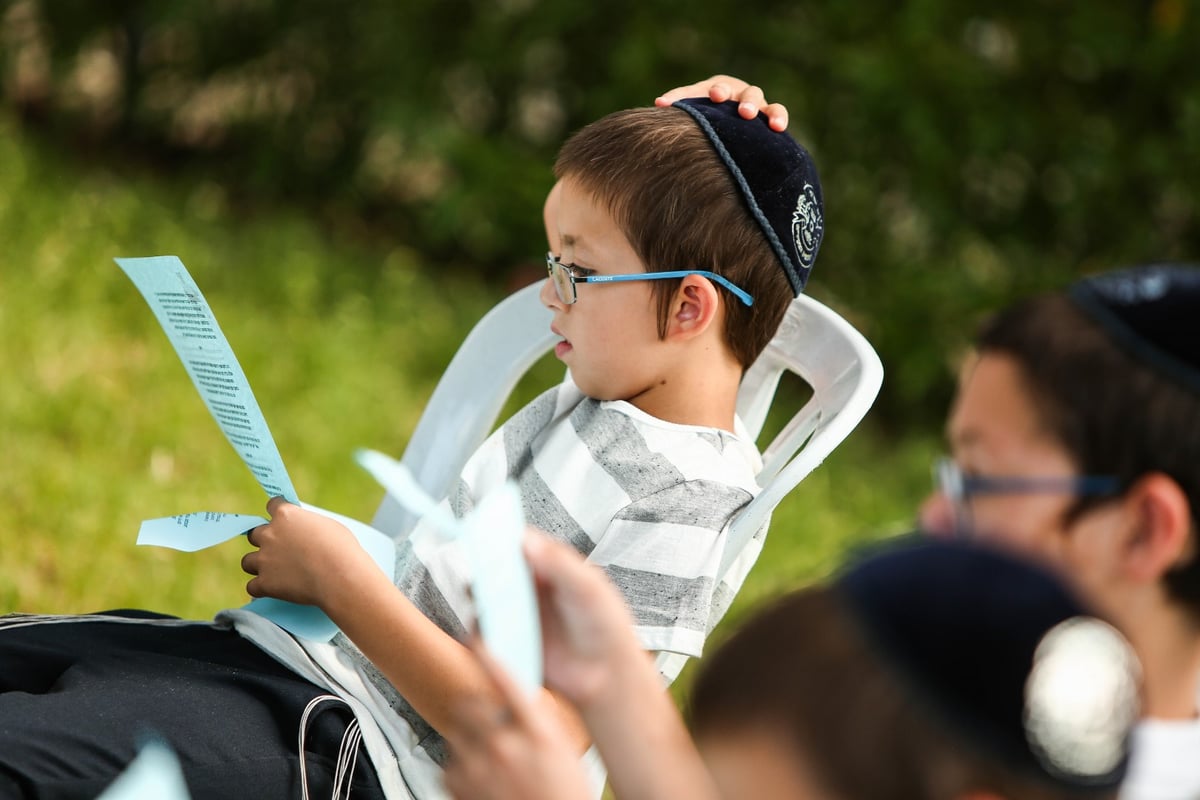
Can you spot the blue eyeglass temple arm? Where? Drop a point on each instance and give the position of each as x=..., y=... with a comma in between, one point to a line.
x=1077, y=484
x=950, y=479
x=680, y=273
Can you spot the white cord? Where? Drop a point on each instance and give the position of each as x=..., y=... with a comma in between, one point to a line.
x=347, y=759
x=347, y=752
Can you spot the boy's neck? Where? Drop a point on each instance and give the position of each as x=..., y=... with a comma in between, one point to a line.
x=1168, y=645
x=703, y=394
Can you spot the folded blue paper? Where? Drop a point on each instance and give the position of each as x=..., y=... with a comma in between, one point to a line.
x=196, y=531
x=502, y=588
x=154, y=774
x=188, y=321
x=501, y=585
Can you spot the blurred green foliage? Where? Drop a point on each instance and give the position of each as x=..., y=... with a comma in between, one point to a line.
x=100, y=427
x=352, y=185
x=968, y=154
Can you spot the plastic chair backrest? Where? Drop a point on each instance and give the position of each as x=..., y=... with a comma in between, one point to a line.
x=469, y=396
x=813, y=341
x=845, y=374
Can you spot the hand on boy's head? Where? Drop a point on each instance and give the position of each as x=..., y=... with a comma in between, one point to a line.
x=300, y=555
x=720, y=88
x=586, y=627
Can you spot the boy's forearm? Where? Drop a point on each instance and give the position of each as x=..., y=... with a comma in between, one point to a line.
x=426, y=665
x=642, y=738
x=431, y=669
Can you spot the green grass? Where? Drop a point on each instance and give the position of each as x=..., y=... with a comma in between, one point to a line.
x=101, y=428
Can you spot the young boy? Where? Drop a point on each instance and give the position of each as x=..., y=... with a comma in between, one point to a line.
x=1075, y=438
x=637, y=460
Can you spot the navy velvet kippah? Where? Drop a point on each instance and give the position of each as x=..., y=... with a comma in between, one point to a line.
x=1002, y=653
x=778, y=180
x=1151, y=311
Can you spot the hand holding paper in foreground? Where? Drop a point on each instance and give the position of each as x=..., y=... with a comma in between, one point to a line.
x=513, y=747
x=594, y=660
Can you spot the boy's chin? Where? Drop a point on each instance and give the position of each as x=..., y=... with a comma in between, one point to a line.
x=596, y=390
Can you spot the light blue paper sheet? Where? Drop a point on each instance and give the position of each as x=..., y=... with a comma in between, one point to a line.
x=202, y=529
x=188, y=321
x=501, y=585
x=192, y=329
x=196, y=531
x=153, y=775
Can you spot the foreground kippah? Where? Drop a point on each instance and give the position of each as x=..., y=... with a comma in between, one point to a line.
x=999, y=651
x=778, y=180
x=1153, y=312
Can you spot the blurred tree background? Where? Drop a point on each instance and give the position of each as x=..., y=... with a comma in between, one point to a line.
x=353, y=184
x=968, y=154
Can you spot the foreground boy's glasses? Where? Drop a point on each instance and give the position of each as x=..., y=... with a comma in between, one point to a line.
x=958, y=488
x=564, y=278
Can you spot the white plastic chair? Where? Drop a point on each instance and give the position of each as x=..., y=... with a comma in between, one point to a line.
x=813, y=341
x=824, y=350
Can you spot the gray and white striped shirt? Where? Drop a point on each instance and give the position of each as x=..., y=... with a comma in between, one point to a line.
x=646, y=500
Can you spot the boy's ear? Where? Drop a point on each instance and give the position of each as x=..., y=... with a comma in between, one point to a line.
x=694, y=309
x=1161, y=537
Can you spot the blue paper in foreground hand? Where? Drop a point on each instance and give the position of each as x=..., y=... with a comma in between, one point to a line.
x=505, y=599
x=153, y=775
x=501, y=585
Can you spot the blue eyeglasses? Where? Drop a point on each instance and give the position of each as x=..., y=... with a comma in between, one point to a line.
x=565, y=276
x=959, y=488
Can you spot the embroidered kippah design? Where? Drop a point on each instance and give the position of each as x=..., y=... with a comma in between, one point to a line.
x=777, y=179
x=808, y=226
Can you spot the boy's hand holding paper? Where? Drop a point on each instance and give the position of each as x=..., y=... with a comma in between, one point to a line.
x=188, y=321
x=501, y=584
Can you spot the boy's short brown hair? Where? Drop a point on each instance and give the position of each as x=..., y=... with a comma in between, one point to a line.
x=664, y=185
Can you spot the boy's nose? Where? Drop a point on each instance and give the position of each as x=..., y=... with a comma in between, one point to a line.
x=549, y=296
x=936, y=516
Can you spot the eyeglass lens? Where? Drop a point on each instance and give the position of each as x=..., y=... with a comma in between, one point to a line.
x=564, y=286
x=948, y=479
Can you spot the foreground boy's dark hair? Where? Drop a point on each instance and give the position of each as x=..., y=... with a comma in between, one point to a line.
x=905, y=681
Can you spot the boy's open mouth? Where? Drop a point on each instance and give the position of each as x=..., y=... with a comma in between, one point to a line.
x=562, y=347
